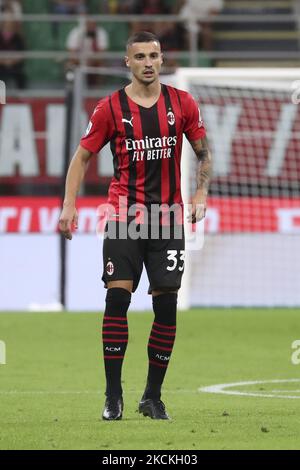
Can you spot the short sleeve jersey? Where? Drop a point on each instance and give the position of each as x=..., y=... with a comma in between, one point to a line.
x=146, y=144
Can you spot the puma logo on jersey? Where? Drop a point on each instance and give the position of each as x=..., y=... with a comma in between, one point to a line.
x=129, y=122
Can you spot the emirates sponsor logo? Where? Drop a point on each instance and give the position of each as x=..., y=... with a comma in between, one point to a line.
x=149, y=143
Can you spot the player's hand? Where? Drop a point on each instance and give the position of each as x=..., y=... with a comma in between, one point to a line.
x=197, y=209
x=68, y=219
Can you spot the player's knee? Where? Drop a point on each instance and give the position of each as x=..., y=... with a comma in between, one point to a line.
x=155, y=293
x=117, y=301
x=165, y=308
x=127, y=285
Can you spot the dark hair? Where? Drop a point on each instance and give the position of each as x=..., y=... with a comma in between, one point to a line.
x=142, y=36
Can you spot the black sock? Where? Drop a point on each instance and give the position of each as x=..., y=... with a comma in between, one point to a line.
x=161, y=342
x=115, y=337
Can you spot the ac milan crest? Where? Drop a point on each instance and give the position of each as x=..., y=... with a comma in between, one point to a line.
x=171, y=118
x=110, y=268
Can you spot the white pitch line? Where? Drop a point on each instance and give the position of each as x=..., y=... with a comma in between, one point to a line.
x=220, y=389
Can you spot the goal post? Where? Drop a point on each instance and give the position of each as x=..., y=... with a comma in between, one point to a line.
x=251, y=253
x=252, y=227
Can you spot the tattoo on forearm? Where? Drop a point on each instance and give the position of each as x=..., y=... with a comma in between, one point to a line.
x=203, y=174
x=204, y=168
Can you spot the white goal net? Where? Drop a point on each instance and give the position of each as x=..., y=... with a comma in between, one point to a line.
x=251, y=253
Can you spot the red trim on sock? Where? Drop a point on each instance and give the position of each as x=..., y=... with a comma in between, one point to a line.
x=114, y=318
x=114, y=333
x=107, y=340
x=163, y=333
x=113, y=357
x=114, y=324
x=164, y=326
x=159, y=347
x=161, y=340
x=158, y=364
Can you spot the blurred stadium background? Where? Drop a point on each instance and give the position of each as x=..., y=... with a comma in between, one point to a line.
x=239, y=58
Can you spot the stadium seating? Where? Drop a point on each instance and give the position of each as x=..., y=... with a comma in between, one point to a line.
x=40, y=36
x=278, y=36
x=256, y=36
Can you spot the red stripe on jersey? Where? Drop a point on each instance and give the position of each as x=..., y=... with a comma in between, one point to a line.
x=140, y=165
x=164, y=131
x=178, y=113
x=119, y=188
x=178, y=149
x=128, y=147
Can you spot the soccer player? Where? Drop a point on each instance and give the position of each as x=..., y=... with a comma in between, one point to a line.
x=144, y=123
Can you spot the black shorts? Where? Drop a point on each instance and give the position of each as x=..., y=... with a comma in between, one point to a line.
x=123, y=259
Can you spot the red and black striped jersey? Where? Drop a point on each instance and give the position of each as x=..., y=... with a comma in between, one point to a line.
x=145, y=143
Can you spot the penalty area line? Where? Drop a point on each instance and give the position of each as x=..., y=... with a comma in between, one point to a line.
x=223, y=389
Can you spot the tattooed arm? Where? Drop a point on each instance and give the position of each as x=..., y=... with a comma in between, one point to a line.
x=203, y=175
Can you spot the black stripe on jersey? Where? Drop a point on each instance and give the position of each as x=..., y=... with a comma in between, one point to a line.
x=113, y=145
x=172, y=132
x=151, y=129
x=129, y=135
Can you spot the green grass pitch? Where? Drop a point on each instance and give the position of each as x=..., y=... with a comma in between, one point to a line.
x=52, y=386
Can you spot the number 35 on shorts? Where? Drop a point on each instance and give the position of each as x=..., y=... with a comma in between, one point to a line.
x=176, y=257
